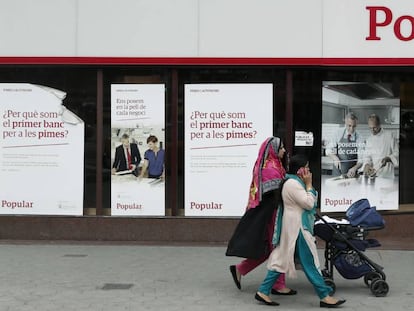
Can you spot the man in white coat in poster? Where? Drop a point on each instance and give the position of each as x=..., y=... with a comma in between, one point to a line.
x=381, y=150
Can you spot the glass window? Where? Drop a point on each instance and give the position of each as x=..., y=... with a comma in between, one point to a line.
x=296, y=88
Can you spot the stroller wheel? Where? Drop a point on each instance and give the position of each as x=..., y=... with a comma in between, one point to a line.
x=326, y=274
x=330, y=283
x=370, y=277
x=379, y=288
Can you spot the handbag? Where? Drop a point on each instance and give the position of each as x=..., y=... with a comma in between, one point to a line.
x=361, y=213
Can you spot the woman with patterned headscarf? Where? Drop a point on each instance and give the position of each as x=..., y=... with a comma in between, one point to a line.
x=252, y=238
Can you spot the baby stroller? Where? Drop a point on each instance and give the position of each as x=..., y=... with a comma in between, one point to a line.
x=345, y=245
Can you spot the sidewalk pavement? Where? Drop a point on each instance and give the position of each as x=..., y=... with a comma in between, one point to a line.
x=60, y=277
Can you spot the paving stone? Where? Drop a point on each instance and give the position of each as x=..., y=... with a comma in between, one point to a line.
x=43, y=277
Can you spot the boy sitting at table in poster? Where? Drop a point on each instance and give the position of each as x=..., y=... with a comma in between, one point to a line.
x=153, y=166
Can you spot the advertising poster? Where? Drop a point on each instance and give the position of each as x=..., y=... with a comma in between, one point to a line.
x=360, y=145
x=42, y=152
x=225, y=125
x=137, y=149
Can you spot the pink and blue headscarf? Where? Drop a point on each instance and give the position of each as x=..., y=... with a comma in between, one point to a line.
x=268, y=171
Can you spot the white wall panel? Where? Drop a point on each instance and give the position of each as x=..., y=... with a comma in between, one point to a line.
x=37, y=28
x=202, y=28
x=138, y=28
x=262, y=28
x=346, y=25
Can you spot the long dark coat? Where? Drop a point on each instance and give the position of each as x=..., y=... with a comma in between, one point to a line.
x=251, y=238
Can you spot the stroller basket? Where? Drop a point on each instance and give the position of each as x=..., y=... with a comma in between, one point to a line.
x=350, y=265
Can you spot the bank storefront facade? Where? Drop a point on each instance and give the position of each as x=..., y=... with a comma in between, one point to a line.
x=210, y=89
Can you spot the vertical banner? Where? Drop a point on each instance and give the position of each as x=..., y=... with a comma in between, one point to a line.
x=224, y=127
x=42, y=152
x=137, y=149
x=360, y=145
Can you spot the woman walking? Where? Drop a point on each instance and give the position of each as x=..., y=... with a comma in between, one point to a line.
x=294, y=236
x=252, y=238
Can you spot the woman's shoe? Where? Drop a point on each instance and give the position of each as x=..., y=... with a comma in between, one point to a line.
x=234, y=275
x=324, y=304
x=268, y=303
x=289, y=293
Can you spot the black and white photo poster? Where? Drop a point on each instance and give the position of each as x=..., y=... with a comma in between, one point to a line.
x=360, y=145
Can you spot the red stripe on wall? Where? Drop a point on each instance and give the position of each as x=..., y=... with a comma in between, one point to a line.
x=206, y=61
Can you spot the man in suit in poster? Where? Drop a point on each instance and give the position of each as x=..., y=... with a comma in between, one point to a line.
x=127, y=157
